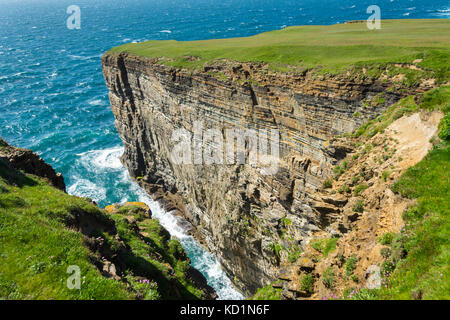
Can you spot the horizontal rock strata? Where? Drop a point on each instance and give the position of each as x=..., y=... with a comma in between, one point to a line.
x=243, y=215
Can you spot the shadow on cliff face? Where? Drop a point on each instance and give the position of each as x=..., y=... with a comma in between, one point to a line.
x=29, y=162
x=12, y=178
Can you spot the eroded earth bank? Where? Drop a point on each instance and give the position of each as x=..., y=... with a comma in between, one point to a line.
x=251, y=221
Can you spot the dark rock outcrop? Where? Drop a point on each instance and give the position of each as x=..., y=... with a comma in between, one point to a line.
x=31, y=163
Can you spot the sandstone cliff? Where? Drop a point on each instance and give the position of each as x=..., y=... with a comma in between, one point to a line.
x=47, y=235
x=243, y=216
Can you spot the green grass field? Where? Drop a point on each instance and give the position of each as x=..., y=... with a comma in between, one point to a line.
x=332, y=48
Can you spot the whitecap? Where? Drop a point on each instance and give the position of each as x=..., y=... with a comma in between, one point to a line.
x=166, y=31
x=77, y=57
x=442, y=13
x=53, y=75
x=96, y=102
x=86, y=188
x=106, y=159
x=201, y=259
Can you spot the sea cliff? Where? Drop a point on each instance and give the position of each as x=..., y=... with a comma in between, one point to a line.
x=253, y=222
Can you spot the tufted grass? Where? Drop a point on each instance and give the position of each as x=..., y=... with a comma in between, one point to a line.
x=38, y=243
x=425, y=271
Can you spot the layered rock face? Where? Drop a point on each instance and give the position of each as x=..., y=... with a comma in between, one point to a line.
x=242, y=214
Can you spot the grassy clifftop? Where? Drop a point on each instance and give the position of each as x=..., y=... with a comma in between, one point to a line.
x=122, y=254
x=329, y=48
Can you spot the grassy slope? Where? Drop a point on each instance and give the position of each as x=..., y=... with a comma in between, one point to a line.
x=333, y=47
x=420, y=258
x=425, y=272
x=436, y=99
x=38, y=242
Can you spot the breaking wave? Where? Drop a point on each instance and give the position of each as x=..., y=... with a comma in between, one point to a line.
x=109, y=176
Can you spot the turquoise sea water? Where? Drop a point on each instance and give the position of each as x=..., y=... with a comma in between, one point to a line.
x=53, y=99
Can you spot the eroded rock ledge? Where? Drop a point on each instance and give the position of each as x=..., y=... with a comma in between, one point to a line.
x=240, y=214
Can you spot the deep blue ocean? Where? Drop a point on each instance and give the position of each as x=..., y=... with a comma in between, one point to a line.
x=53, y=99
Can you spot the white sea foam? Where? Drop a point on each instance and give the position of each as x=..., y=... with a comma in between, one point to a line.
x=442, y=12
x=106, y=161
x=85, y=188
x=200, y=258
x=53, y=75
x=77, y=57
x=96, y=102
x=102, y=159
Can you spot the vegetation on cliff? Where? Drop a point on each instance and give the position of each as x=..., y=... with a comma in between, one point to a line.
x=336, y=49
x=123, y=254
x=424, y=272
x=417, y=259
x=395, y=243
